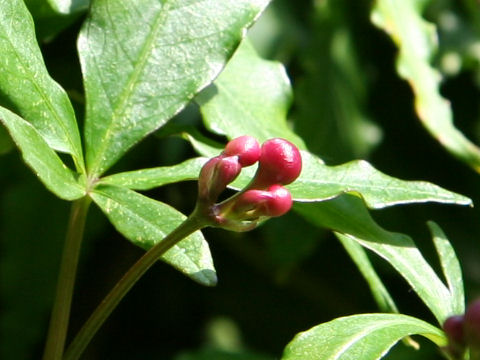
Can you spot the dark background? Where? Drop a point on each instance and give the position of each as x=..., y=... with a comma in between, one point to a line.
x=286, y=276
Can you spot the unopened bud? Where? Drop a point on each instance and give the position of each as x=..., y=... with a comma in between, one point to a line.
x=215, y=175
x=280, y=163
x=246, y=148
x=453, y=327
x=471, y=325
x=254, y=203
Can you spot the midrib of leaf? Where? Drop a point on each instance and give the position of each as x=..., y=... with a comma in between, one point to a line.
x=46, y=99
x=362, y=334
x=132, y=81
x=146, y=222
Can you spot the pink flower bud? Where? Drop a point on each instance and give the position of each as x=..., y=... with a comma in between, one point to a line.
x=254, y=203
x=215, y=175
x=280, y=201
x=280, y=163
x=246, y=148
x=453, y=327
x=471, y=325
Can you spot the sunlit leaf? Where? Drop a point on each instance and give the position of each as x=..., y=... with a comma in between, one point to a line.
x=138, y=77
x=146, y=179
x=251, y=96
x=417, y=44
x=450, y=266
x=146, y=222
x=46, y=164
x=377, y=288
x=27, y=86
x=365, y=337
x=348, y=216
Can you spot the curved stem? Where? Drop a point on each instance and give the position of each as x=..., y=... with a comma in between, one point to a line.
x=98, y=317
x=57, y=331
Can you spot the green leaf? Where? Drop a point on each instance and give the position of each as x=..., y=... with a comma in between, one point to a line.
x=41, y=158
x=417, y=44
x=348, y=216
x=69, y=6
x=365, y=337
x=145, y=222
x=25, y=82
x=450, y=267
x=138, y=77
x=250, y=97
x=377, y=288
x=151, y=178
x=319, y=182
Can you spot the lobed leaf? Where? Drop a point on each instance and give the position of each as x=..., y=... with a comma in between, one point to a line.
x=348, y=216
x=319, y=182
x=417, y=44
x=146, y=179
x=359, y=256
x=145, y=222
x=251, y=96
x=365, y=336
x=450, y=267
x=27, y=86
x=136, y=78
x=43, y=160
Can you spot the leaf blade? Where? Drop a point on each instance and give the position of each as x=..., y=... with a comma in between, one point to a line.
x=139, y=79
x=145, y=222
x=147, y=179
x=41, y=158
x=250, y=97
x=365, y=336
x=417, y=44
x=347, y=215
x=450, y=267
x=48, y=108
x=380, y=293
x=320, y=182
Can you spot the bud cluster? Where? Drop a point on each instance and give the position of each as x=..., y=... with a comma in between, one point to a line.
x=463, y=331
x=279, y=163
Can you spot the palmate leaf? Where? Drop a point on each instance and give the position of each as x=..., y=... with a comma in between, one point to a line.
x=347, y=215
x=136, y=78
x=43, y=160
x=417, y=44
x=377, y=288
x=27, y=87
x=145, y=222
x=365, y=337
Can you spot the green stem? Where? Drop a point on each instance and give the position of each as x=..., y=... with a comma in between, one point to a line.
x=57, y=331
x=101, y=313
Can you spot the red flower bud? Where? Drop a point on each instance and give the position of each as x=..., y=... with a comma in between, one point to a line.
x=254, y=203
x=471, y=325
x=215, y=175
x=246, y=148
x=280, y=163
x=453, y=327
